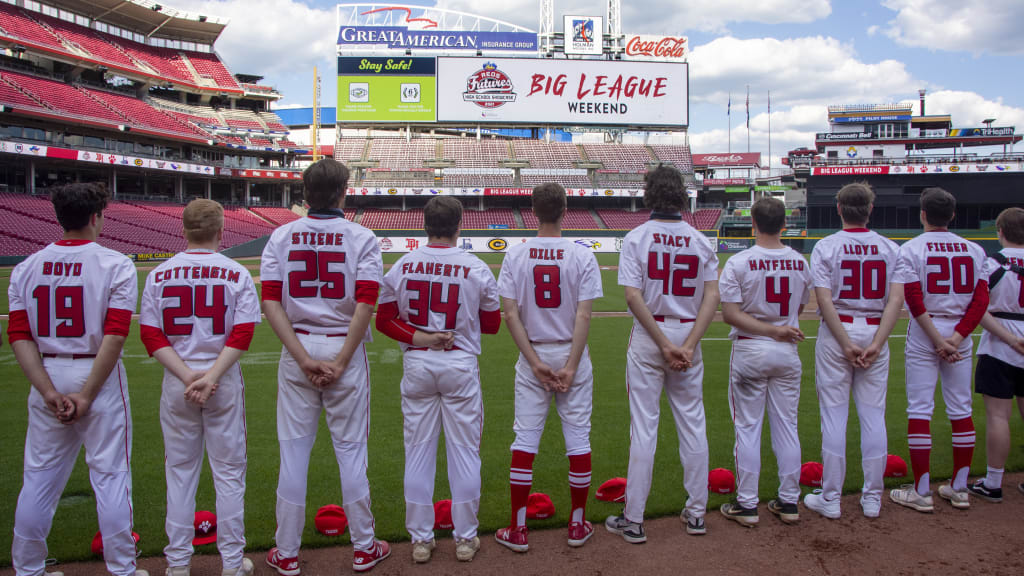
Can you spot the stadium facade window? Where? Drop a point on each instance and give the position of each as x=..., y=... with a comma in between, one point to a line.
x=34, y=134
x=10, y=131
x=49, y=11
x=94, y=142
x=144, y=148
x=32, y=5
x=100, y=26
x=73, y=139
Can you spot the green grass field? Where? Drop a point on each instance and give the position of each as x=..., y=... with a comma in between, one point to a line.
x=75, y=521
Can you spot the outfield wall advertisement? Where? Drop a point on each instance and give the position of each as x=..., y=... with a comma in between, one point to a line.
x=548, y=91
x=386, y=89
x=484, y=191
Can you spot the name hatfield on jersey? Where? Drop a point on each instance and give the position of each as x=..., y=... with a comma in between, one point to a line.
x=318, y=238
x=196, y=273
x=436, y=269
x=772, y=265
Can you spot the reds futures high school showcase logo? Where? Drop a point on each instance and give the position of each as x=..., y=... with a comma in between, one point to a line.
x=489, y=87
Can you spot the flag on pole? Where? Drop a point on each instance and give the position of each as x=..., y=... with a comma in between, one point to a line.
x=728, y=106
x=748, y=107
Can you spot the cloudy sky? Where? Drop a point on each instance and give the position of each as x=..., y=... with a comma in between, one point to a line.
x=808, y=53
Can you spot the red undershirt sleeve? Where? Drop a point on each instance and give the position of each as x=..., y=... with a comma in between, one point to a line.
x=271, y=290
x=117, y=323
x=241, y=336
x=153, y=338
x=389, y=324
x=490, y=321
x=18, y=327
x=367, y=292
x=915, y=299
x=975, y=310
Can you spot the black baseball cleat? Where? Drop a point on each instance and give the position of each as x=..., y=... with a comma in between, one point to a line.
x=745, y=516
x=787, y=512
x=632, y=532
x=984, y=492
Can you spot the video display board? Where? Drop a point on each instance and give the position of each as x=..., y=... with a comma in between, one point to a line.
x=386, y=89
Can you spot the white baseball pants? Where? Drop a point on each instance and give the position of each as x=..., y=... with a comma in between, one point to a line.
x=836, y=379
x=51, y=449
x=441, y=388
x=574, y=406
x=187, y=427
x=646, y=376
x=765, y=373
x=346, y=403
x=924, y=367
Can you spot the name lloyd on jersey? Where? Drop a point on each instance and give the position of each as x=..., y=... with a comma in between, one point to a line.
x=197, y=273
x=679, y=241
x=547, y=254
x=318, y=238
x=860, y=250
x=436, y=269
x=771, y=265
x=946, y=247
x=62, y=269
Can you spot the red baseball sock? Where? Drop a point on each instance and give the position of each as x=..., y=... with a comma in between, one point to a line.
x=520, y=481
x=579, y=485
x=919, y=439
x=963, y=451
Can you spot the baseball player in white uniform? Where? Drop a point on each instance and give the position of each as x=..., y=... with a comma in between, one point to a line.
x=71, y=305
x=859, y=304
x=764, y=289
x=999, y=375
x=548, y=285
x=436, y=301
x=670, y=274
x=947, y=295
x=199, y=310
x=321, y=276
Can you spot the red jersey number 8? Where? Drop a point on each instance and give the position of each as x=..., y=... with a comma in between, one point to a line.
x=547, y=286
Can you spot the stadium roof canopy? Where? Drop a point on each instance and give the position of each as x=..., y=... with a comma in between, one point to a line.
x=151, y=18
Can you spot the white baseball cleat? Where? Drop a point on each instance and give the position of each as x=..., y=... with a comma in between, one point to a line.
x=957, y=498
x=246, y=569
x=871, y=504
x=908, y=496
x=817, y=502
x=422, y=551
x=177, y=571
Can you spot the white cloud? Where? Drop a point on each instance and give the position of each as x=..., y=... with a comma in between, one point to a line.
x=958, y=25
x=970, y=108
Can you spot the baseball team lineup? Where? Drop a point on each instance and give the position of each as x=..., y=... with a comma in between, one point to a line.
x=322, y=277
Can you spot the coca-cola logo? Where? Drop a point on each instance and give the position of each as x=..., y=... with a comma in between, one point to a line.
x=714, y=158
x=489, y=87
x=668, y=47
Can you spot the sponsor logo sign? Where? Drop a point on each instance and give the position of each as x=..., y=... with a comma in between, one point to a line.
x=556, y=91
x=660, y=48
x=850, y=170
x=386, y=89
x=497, y=244
x=725, y=181
x=870, y=118
x=840, y=136
x=583, y=34
x=725, y=160
x=732, y=245
x=975, y=132
x=422, y=34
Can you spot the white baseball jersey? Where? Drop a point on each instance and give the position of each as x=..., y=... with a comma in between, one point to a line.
x=770, y=285
x=442, y=289
x=66, y=290
x=857, y=266
x=548, y=278
x=948, y=268
x=195, y=299
x=317, y=262
x=669, y=262
x=1006, y=296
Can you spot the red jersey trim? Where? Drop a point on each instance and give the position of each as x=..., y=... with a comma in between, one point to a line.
x=490, y=321
x=241, y=336
x=272, y=290
x=153, y=338
x=117, y=323
x=856, y=230
x=975, y=310
x=367, y=292
x=74, y=242
x=439, y=246
x=18, y=327
x=389, y=324
x=915, y=299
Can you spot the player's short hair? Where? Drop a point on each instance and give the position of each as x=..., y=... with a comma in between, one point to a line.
x=325, y=183
x=549, y=202
x=1011, y=223
x=769, y=215
x=939, y=206
x=202, y=219
x=855, y=201
x=663, y=189
x=75, y=203
x=442, y=216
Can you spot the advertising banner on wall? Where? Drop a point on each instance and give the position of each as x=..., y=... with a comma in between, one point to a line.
x=401, y=38
x=386, y=89
x=493, y=244
x=583, y=34
x=728, y=159
x=547, y=91
x=657, y=48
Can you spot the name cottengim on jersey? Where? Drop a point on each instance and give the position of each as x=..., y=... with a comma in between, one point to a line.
x=669, y=262
x=69, y=295
x=442, y=289
x=857, y=265
x=947, y=268
x=196, y=299
x=548, y=277
x=319, y=268
x=770, y=284
x=1006, y=303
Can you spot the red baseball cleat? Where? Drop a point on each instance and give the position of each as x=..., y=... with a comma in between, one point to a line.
x=284, y=566
x=579, y=533
x=363, y=561
x=513, y=538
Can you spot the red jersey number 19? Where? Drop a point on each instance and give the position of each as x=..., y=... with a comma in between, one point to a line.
x=68, y=309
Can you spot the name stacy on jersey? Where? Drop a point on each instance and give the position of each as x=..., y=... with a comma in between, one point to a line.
x=772, y=265
x=667, y=240
x=436, y=269
x=196, y=273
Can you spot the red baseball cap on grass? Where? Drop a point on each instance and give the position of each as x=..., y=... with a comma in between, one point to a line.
x=539, y=506
x=205, y=525
x=331, y=520
x=721, y=481
x=613, y=490
x=895, y=467
x=97, y=542
x=443, y=515
x=810, y=474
